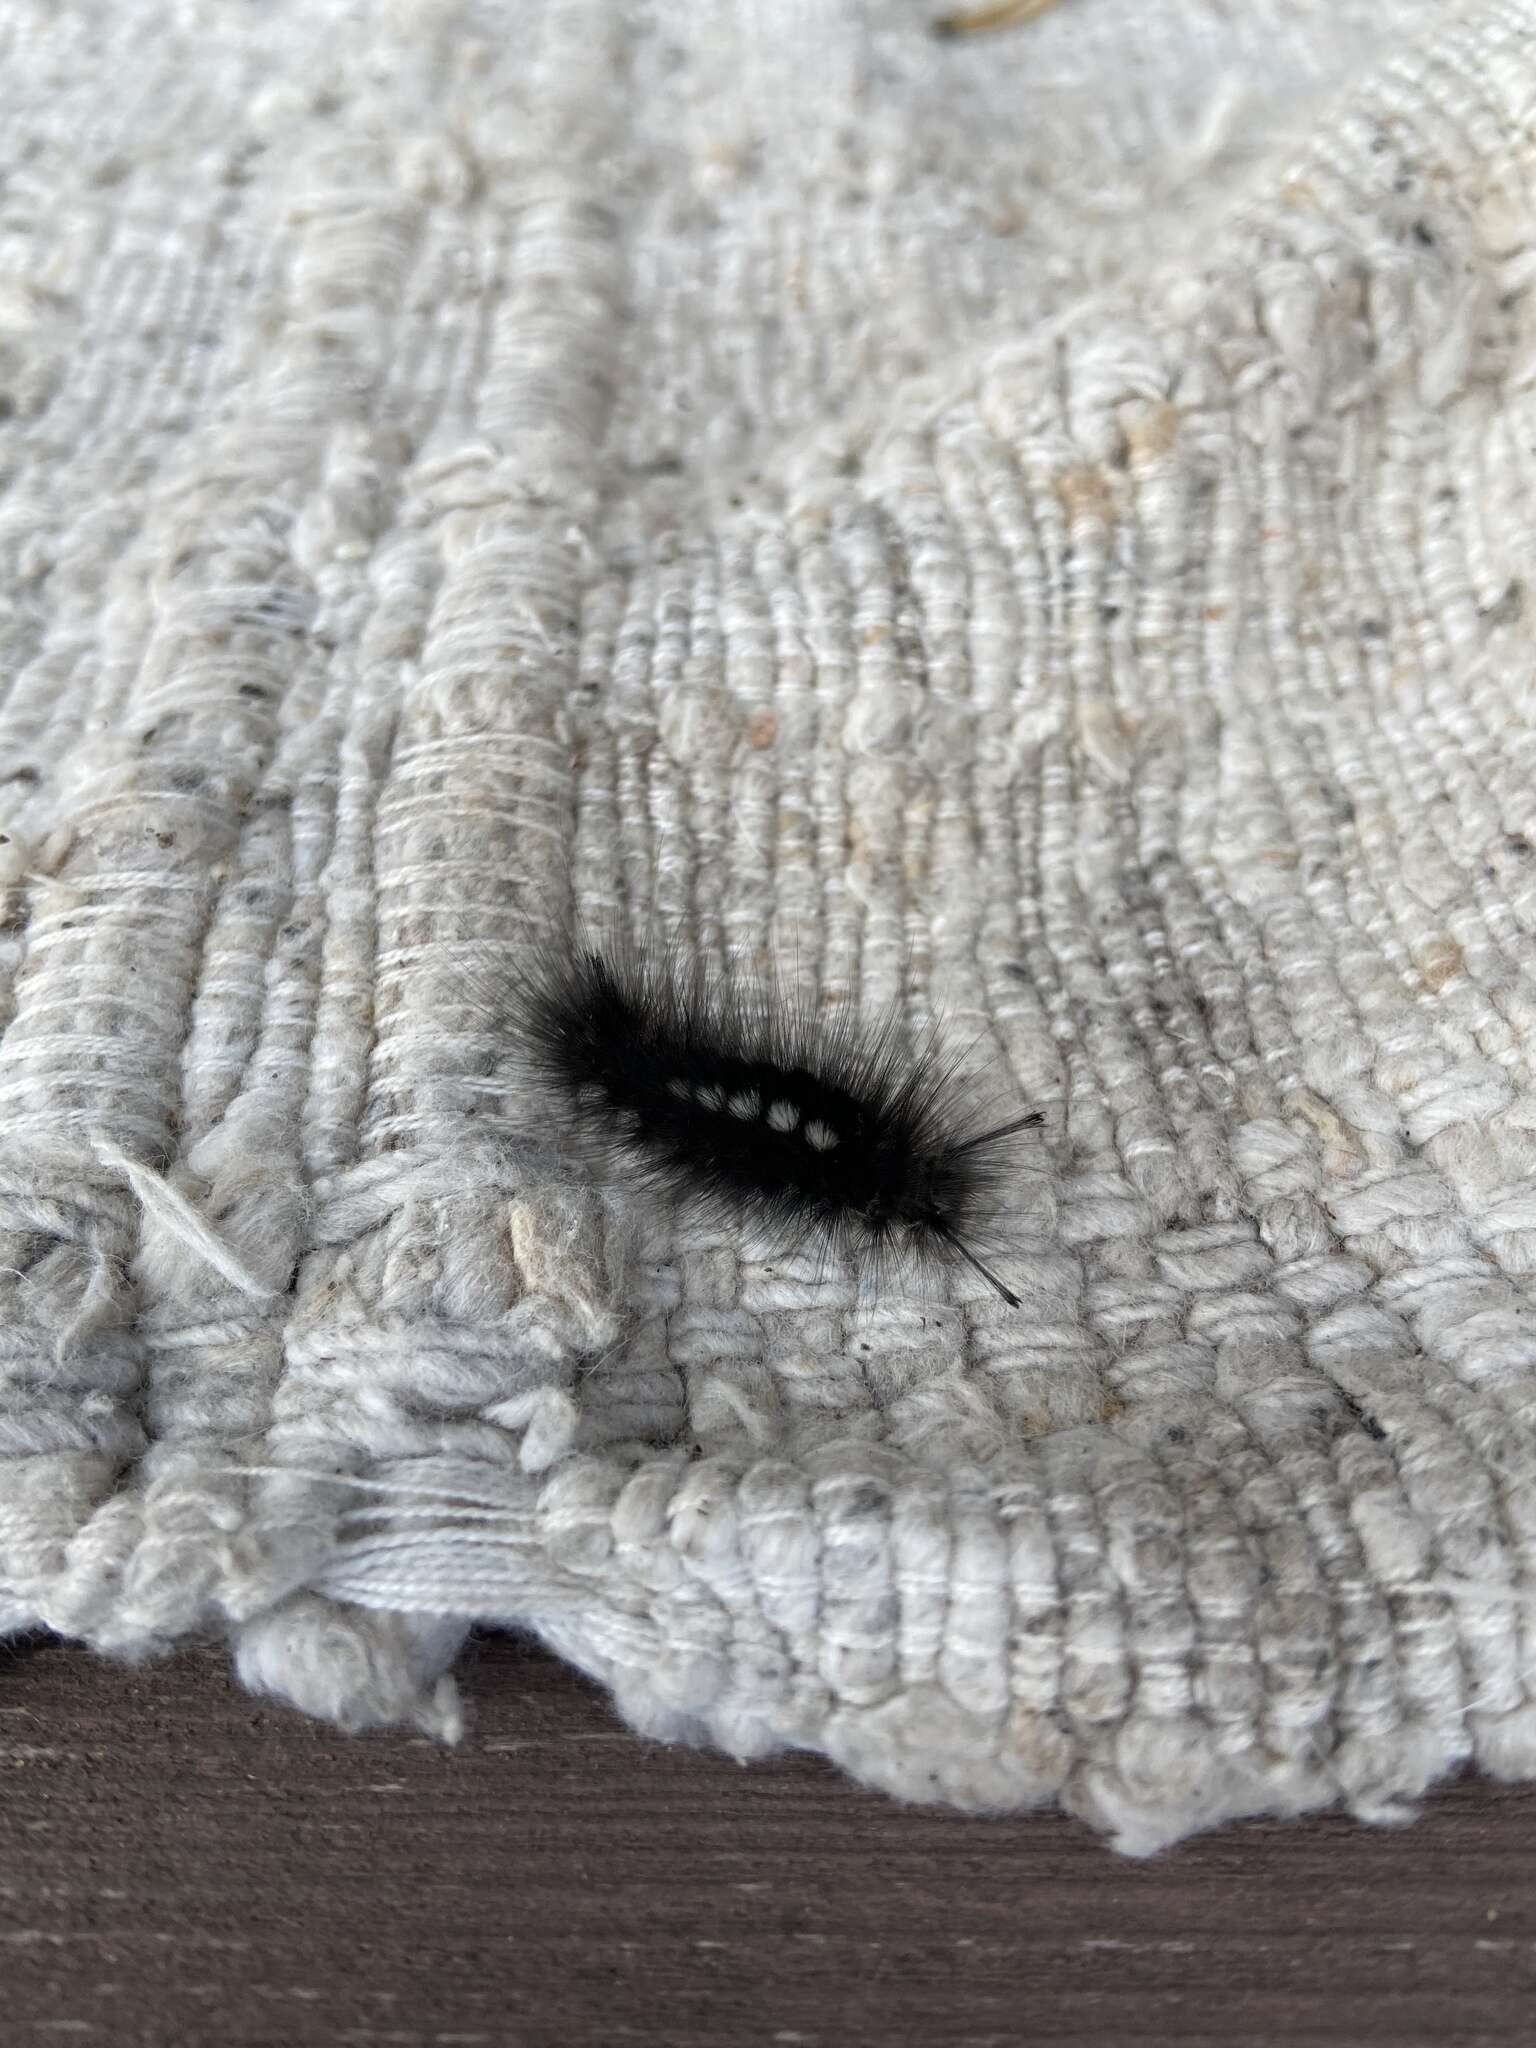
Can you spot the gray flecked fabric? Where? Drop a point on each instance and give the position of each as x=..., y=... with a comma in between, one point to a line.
x=1038, y=522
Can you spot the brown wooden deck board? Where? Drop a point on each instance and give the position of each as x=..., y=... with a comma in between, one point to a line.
x=181, y=1864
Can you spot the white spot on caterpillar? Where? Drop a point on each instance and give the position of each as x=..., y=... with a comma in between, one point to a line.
x=708, y=1096
x=820, y=1137
x=682, y=1089
x=746, y=1104
x=782, y=1116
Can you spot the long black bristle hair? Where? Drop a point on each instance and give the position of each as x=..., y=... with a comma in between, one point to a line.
x=719, y=1091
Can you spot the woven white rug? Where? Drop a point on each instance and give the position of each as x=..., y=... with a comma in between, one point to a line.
x=1045, y=518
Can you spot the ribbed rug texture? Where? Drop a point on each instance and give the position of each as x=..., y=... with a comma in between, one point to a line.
x=1037, y=526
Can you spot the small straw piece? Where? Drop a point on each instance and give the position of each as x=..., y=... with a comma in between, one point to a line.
x=969, y=21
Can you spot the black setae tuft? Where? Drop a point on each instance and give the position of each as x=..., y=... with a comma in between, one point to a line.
x=718, y=1093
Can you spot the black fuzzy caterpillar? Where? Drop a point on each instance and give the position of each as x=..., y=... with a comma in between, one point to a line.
x=716, y=1092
